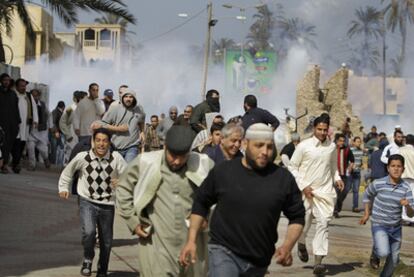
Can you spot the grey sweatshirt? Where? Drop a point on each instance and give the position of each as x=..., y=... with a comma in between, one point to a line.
x=120, y=115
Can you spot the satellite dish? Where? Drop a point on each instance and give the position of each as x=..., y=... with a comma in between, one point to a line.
x=8, y=51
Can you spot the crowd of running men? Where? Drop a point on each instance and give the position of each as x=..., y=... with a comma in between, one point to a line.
x=204, y=194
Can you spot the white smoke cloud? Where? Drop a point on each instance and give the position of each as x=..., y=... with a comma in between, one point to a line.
x=166, y=75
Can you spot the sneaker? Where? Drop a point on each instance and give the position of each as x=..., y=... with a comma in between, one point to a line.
x=319, y=269
x=4, y=170
x=101, y=272
x=355, y=210
x=336, y=214
x=86, y=269
x=47, y=163
x=374, y=262
x=303, y=253
x=16, y=169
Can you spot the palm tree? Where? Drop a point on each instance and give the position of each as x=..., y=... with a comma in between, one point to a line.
x=399, y=13
x=369, y=24
x=365, y=57
x=297, y=31
x=5, y=24
x=396, y=66
x=219, y=47
x=66, y=10
x=261, y=30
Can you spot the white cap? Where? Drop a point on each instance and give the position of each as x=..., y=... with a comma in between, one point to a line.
x=259, y=131
x=397, y=126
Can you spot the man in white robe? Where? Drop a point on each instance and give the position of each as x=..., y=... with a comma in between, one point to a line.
x=29, y=119
x=314, y=167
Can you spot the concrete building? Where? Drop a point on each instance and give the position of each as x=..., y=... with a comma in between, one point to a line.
x=71, y=46
x=22, y=49
x=368, y=97
x=100, y=43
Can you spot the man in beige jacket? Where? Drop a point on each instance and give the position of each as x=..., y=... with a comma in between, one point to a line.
x=155, y=196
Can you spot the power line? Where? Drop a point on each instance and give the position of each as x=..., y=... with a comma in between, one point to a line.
x=174, y=28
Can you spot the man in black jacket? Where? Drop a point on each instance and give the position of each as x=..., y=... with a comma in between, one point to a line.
x=210, y=105
x=9, y=118
x=250, y=193
x=257, y=115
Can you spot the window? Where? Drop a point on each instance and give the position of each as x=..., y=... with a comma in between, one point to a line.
x=89, y=38
x=391, y=95
x=105, y=38
x=105, y=34
x=90, y=34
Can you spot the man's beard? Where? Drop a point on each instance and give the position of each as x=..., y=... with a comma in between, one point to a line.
x=253, y=164
x=174, y=169
x=399, y=143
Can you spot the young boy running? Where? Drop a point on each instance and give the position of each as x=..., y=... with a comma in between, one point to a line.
x=388, y=196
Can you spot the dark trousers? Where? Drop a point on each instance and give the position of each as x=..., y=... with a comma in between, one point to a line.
x=92, y=215
x=341, y=195
x=17, y=151
x=7, y=147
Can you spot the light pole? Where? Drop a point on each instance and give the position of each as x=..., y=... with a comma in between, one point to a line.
x=384, y=67
x=210, y=23
x=242, y=18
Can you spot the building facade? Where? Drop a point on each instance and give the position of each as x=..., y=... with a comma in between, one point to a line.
x=99, y=43
x=19, y=48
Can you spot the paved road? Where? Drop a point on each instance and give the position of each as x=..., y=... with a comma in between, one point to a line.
x=40, y=236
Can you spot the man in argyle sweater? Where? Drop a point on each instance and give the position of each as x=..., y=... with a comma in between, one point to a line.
x=98, y=172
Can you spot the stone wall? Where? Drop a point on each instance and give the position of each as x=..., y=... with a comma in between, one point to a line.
x=307, y=98
x=332, y=99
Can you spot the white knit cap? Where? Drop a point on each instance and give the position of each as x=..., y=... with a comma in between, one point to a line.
x=259, y=131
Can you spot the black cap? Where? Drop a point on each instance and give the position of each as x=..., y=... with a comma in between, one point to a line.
x=179, y=139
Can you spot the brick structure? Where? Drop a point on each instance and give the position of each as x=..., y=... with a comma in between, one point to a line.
x=332, y=98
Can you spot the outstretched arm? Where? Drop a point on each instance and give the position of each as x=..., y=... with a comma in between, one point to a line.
x=189, y=250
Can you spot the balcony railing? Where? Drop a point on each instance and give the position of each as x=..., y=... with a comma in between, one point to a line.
x=105, y=43
x=89, y=43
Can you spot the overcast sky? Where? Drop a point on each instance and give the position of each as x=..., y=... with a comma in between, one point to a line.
x=331, y=17
x=157, y=16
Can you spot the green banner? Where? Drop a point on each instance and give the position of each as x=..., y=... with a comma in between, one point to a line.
x=250, y=72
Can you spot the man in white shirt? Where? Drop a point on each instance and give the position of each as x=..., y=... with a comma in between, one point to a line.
x=394, y=147
x=407, y=152
x=314, y=167
x=88, y=110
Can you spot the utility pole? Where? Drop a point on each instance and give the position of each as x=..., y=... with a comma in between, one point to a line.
x=210, y=23
x=384, y=69
x=47, y=41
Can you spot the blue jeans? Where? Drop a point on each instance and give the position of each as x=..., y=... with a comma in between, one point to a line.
x=224, y=263
x=387, y=243
x=355, y=180
x=92, y=215
x=129, y=153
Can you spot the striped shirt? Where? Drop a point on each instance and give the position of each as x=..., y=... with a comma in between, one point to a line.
x=386, y=197
x=358, y=153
